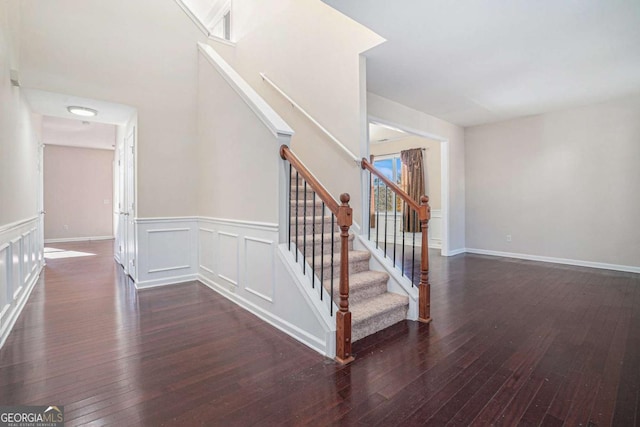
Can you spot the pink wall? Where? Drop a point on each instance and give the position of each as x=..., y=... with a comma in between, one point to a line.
x=77, y=183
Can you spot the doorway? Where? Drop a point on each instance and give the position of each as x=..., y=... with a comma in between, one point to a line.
x=78, y=180
x=386, y=142
x=71, y=122
x=125, y=214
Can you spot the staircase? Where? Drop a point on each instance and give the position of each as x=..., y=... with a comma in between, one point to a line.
x=372, y=307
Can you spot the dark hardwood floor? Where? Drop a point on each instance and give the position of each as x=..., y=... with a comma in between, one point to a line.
x=512, y=342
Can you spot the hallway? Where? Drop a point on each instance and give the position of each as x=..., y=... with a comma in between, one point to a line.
x=511, y=341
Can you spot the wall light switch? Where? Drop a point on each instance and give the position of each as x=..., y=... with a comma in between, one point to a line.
x=508, y=237
x=107, y=201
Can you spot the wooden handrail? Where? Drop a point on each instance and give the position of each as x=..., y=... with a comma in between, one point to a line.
x=324, y=195
x=344, y=217
x=399, y=191
x=335, y=140
x=424, y=215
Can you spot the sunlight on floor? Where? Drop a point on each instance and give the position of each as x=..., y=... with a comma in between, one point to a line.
x=53, y=253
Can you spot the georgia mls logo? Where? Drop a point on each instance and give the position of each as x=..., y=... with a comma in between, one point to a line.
x=56, y=410
x=32, y=416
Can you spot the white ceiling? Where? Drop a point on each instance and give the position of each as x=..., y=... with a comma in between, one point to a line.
x=55, y=105
x=473, y=62
x=379, y=133
x=78, y=133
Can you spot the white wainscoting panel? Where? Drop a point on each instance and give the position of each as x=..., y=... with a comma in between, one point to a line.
x=241, y=261
x=259, y=267
x=26, y=259
x=35, y=244
x=21, y=260
x=167, y=251
x=228, y=257
x=162, y=256
x=435, y=229
x=5, y=280
x=18, y=272
x=206, y=249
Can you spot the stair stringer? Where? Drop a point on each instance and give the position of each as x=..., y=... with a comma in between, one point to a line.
x=397, y=283
x=311, y=296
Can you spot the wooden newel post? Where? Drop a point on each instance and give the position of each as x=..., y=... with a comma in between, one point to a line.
x=343, y=316
x=424, y=289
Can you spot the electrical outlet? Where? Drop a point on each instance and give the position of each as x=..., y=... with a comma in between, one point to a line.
x=106, y=201
x=508, y=237
x=66, y=227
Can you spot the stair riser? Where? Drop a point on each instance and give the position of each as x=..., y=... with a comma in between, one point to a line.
x=378, y=323
x=302, y=197
x=318, y=225
x=326, y=249
x=310, y=210
x=300, y=191
x=360, y=294
x=354, y=267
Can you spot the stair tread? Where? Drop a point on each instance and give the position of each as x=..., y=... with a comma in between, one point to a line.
x=377, y=306
x=309, y=218
x=354, y=256
x=327, y=237
x=309, y=202
x=360, y=280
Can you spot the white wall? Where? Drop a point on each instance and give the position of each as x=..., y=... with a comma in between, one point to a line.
x=20, y=237
x=403, y=117
x=142, y=54
x=78, y=191
x=312, y=52
x=18, y=133
x=238, y=157
x=564, y=184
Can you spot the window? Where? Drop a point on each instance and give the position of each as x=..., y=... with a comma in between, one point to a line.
x=391, y=168
x=222, y=28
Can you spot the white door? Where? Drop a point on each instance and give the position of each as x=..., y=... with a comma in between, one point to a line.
x=121, y=219
x=130, y=197
x=40, y=205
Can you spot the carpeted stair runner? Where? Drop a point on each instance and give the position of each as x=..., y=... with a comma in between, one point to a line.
x=372, y=307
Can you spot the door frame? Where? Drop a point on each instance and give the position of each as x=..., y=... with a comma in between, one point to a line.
x=444, y=173
x=130, y=202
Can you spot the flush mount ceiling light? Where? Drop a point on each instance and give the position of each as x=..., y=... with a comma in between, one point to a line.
x=82, y=111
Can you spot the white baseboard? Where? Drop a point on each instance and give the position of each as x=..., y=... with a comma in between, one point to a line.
x=453, y=252
x=173, y=280
x=78, y=239
x=554, y=260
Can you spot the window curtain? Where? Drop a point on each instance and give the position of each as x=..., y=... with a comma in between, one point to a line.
x=413, y=183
